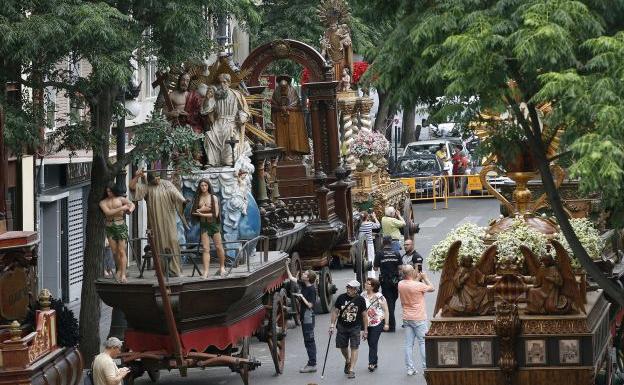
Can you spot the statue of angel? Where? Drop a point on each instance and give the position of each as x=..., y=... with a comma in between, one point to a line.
x=463, y=287
x=554, y=290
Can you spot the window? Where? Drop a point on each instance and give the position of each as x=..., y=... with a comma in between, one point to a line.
x=149, y=76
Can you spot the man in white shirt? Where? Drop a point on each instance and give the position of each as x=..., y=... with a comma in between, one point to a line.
x=105, y=371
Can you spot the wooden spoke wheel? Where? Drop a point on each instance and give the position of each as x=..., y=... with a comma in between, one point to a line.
x=244, y=353
x=325, y=290
x=360, y=260
x=276, y=332
x=296, y=268
x=411, y=226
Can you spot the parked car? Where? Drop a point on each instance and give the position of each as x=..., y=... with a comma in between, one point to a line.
x=431, y=146
x=411, y=168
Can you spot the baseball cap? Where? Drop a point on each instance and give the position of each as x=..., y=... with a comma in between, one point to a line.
x=353, y=283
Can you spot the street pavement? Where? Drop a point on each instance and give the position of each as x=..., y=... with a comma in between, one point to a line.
x=434, y=224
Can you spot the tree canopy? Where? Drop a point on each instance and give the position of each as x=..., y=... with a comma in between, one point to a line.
x=37, y=36
x=515, y=56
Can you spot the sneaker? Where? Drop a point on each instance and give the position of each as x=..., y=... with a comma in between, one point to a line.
x=347, y=367
x=351, y=375
x=411, y=372
x=308, y=369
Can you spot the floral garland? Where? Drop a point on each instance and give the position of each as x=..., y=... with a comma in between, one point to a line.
x=473, y=246
x=588, y=235
x=368, y=143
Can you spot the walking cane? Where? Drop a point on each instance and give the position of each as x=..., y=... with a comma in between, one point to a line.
x=326, y=351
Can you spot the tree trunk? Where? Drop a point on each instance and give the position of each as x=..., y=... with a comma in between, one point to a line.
x=409, y=123
x=539, y=152
x=382, y=112
x=101, y=118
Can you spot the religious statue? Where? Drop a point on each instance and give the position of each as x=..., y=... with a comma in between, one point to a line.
x=230, y=113
x=463, y=287
x=115, y=207
x=336, y=44
x=554, y=290
x=345, y=80
x=291, y=133
x=183, y=105
x=163, y=200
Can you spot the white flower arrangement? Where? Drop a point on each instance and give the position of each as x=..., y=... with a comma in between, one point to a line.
x=368, y=143
x=508, y=242
x=471, y=237
x=588, y=235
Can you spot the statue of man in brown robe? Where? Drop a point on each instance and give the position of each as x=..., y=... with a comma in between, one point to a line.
x=164, y=201
x=291, y=133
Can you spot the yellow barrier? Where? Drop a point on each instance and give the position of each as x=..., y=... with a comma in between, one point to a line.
x=445, y=187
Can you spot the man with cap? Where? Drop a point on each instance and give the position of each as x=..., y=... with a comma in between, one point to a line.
x=387, y=262
x=105, y=371
x=350, y=321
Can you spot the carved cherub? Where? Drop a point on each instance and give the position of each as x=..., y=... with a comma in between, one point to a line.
x=463, y=287
x=554, y=290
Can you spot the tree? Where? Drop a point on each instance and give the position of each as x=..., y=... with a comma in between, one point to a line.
x=513, y=55
x=35, y=35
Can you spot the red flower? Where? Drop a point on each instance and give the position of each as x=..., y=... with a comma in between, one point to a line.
x=359, y=67
x=305, y=76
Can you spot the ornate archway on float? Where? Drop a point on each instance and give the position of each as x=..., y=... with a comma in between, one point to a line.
x=321, y=91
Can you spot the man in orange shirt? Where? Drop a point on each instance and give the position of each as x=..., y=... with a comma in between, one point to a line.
x=412, y=291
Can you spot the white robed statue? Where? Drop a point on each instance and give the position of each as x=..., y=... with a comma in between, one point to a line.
x=228, y=112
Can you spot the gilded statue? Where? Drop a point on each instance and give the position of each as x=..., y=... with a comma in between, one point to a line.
x=463, y=285
x=554, y=290
x=287, y=116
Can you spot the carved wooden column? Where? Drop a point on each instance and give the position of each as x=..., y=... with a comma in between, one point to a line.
x=349, y=130
x=322, y=97
x=365, y=104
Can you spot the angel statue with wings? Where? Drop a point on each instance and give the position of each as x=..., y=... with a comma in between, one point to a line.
x=554, y=290
x=463, y=286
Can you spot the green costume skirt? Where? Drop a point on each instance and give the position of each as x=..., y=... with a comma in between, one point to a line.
x=117, y=232
x=210, y=228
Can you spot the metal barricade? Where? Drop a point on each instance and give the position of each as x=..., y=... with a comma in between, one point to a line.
x=444, y=187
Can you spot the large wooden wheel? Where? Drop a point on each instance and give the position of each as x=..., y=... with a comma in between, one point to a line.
x=276, y=332
x=296, y=268
x=325, y=290
x=411, y=226
x=359, y=259
x=153, y=374
x=244, y=353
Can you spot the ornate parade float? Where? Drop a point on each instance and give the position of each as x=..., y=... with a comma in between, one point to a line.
x=320, y=181
x=34, y=344
x=514, y=305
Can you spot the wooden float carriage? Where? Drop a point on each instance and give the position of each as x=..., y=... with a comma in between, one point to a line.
x=182, y=323
x=34, y=349
x=530, y=319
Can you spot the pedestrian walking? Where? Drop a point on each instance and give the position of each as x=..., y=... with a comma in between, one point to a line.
x=387, y=262
x=377, y=311
x=411, y=256
x=350, y=322
x=307, y=299
x=369, y=223
x=105, y=371
x=412, y=293
x=392, y=226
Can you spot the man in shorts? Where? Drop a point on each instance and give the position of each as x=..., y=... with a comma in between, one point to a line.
x=350, y=321
x=115, y=207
